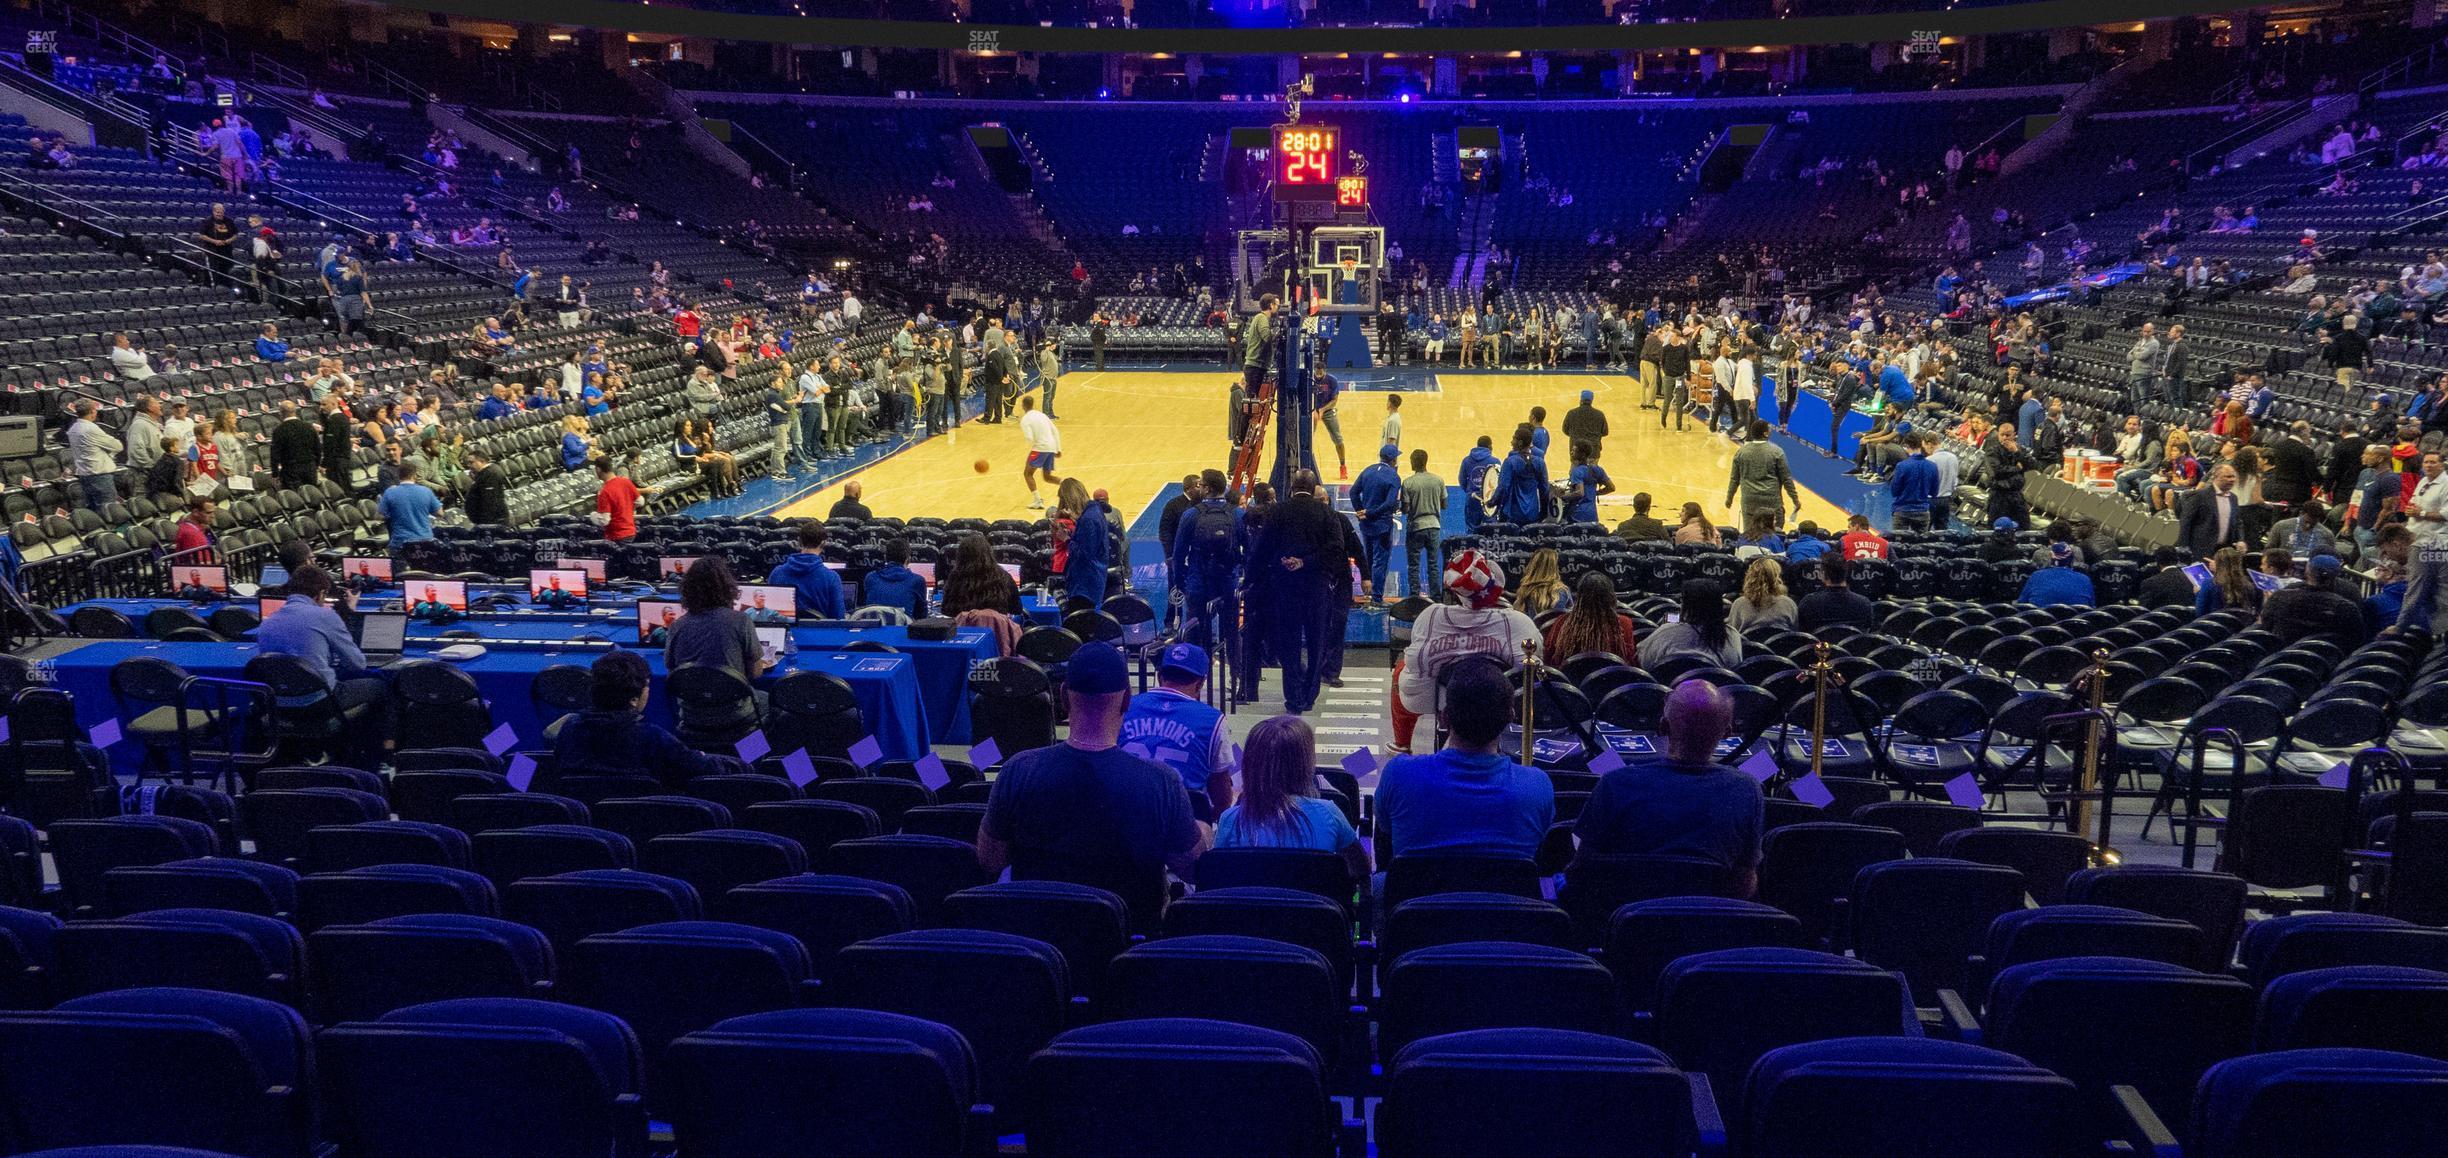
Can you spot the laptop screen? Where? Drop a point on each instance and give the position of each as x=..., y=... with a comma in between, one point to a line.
x=362, y=567
x=655, y=615
x=447, y=593
x=215, y=579
x=382, y=634
x=570, y=583
x=759, y=599
x=594, y=568
x=774, y=641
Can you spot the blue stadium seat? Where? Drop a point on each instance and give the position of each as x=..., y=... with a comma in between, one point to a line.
x=1717, y=1012
x=1117, y=1089
x=359, y=896
x=1643, y=938
x=1088, y=924
x=1492, y=985
x=823, y=1081
x=569, y=907
x=1244, y=980
x=2390, y=1007
x=2299, y=941
x=186, y=948
x=930, y=868
x=364, y=971
x=825, y=913
x=1901, y=1097
x=2113, y=1021
x=575, y=1090
x=1540, y=1091
x=2365, y=1102
x=29, y=964
x=1806, y=868
x=83, y=850
x=1007, y=995
x=1446, y=918
x=478, y=813
x=508, y=855
x=643, y=818
x=677, y=977
x=205, y=882
x=2051, y=931
x=2209, y=901
x=1922, y=917
x=717, y=860
x=217, y=1071
x=278, y=820
x=1294, y=916
x=340, y=847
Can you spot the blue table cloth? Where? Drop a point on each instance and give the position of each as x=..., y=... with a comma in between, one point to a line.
x=943, y=665
x=886, y=686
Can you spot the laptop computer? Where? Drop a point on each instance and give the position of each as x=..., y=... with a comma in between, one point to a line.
x=382, y=636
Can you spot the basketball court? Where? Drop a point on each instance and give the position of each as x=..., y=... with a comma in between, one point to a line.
x=1132, y=432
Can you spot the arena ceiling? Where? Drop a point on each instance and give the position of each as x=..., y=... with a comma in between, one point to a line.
x=1919, y=18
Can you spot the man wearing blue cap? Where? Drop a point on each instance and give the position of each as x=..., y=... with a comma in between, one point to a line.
x=1086, y=810
x=1586, y=423
x=1375, y=497
x=1174, y=726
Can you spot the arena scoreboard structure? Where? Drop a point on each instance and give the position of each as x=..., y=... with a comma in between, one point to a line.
x=1308, y=162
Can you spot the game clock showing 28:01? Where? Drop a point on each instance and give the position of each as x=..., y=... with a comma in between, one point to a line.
x=1308, y=161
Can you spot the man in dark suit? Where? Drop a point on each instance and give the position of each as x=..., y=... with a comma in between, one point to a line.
x=488, y=491
x=2214, y=518
x=2293, y=468
x=296, y=448
x=339, y=438
x=1294, y=562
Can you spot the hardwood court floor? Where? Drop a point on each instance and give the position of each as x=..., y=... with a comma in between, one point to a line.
x=1132, y=432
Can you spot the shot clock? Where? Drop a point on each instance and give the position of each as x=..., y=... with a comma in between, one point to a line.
x=1308, y=162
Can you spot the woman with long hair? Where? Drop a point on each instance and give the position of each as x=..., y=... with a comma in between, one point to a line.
x=971, y=580
x=229, y=447
x=720, y=463
x=1069, y=500
x=2231, y=585
x=1279, y=805
x=1700, y=632
x=1763, y=604
x=1593, y=624
x=1542, y=585
x=1695, y=527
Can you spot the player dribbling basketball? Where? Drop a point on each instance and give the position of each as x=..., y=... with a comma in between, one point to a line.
x=1045, y=445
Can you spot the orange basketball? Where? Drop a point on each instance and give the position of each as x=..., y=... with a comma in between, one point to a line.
x=981, y=466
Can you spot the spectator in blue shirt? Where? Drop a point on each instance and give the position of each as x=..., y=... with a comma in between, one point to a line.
x=894, y=585
x=408, y=508
x=576, y=447
x=496, y=405
x=612, y=737
x=1807, y=543
x=1475, y=466
x=303, y=627
x=2059, y=583
x=269, y=347
x=820, y=590
x=1521, y=487
x=1912, y=488
x=1468, y=797
x=1896, y=385
x=1375, y=498
x=1588, y=481
x=1280, y=807
x=1684, y=803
